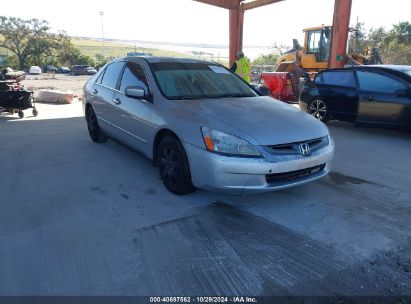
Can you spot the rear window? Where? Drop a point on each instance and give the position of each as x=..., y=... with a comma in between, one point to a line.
x=111, y=74
x=339, y=78
x=377, y=82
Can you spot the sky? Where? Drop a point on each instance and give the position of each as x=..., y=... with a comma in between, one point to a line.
x=189, y=21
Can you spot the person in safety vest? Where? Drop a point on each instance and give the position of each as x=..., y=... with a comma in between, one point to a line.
x=242, y=67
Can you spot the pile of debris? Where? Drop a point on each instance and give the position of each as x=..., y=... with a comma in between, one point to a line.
x=55, y=96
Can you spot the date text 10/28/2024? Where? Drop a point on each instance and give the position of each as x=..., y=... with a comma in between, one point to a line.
x=239, y=299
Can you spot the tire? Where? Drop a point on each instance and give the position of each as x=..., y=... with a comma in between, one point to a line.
x=173, y=166
x=35, y=112
x=318, y=108
x=94, y=130
x=21, y=114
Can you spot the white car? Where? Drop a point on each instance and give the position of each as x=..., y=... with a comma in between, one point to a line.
x=35, y=70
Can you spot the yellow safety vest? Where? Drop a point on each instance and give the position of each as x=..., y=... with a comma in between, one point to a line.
x=243, y=68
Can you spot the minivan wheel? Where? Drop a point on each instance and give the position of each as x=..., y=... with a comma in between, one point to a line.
x=318, y=109
x=93, y=128
x=174, y=167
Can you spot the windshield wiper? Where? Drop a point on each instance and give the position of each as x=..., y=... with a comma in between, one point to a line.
x=186, y=97
x=232, y=95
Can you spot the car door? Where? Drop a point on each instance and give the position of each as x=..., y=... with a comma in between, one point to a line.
x=103, y=92
x=339, y=91
x=384, y=97
x=133, y=115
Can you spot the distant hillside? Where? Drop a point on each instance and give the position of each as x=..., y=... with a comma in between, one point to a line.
x=93, y=47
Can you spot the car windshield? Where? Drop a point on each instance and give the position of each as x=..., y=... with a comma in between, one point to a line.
x=198, y=80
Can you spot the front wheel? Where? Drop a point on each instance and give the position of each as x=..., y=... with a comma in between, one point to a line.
x=93, y=128
x=319, y=110
x=174, y=167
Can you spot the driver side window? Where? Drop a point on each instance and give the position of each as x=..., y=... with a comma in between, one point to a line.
x=134, y=76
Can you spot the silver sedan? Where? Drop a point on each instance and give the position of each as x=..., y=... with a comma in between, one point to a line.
x=204, y=127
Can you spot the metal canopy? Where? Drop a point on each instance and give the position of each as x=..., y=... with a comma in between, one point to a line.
x=237, y=9
x=341, y=21
x=233, y=4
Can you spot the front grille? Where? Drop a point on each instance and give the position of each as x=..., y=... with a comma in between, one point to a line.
x=292, y=148
x=293, y=175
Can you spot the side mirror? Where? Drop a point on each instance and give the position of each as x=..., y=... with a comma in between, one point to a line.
x=137, y=93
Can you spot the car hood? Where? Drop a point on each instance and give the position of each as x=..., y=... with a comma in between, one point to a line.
x=259, y=120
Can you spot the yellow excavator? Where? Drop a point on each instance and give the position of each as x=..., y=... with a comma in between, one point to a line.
x=312, y=58
x=314, y=55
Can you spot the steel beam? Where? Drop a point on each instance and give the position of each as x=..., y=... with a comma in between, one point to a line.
x=257, y=3
x=228, y=4
x=341, y=24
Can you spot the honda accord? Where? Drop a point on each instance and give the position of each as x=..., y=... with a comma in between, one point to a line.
x=204, y=127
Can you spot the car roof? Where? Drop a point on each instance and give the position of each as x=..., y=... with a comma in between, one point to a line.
x=399, y=68
x=155, y=59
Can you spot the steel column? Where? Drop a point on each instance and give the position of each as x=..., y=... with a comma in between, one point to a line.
x=236, y=20
x=236, y=29
x=341, y=24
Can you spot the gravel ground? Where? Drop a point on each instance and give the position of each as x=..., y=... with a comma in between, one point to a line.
x=60, y=82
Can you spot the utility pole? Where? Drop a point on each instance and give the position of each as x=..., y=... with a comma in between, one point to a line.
x=357, y=36
x=102, y=32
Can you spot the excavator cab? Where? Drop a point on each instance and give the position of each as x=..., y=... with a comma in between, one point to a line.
x=316, y=48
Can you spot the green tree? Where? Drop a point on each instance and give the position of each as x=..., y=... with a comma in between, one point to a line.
x=68, y=55
x=402, y=32
x=29, y=40
x=358, y=41
x=270, y=59
x=102, y=60
x=394, y=43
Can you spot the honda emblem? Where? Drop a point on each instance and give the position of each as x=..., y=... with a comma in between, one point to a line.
x=304, y=149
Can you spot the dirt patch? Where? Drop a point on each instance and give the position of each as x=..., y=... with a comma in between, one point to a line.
x=385, y=274
x=58, y=82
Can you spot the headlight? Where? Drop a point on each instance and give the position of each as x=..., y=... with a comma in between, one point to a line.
x=220, y=142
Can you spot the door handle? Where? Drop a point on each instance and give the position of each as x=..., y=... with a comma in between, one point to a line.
x=94, y=91
x=370, y=97
x=117, y=101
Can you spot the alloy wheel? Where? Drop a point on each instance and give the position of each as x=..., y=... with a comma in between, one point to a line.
x=318, y=109
x=92, y=124
x=170, y=166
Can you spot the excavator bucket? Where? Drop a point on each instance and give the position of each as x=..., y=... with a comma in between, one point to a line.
x=279, y=85
x=284, y=82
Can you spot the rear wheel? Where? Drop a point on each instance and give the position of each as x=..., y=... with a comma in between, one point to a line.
x=173, y=166
x=319, y=110
x=35, y=112
x=93, y=128
x=21, y=114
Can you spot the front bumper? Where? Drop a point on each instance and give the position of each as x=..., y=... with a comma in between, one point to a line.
x=241, y=176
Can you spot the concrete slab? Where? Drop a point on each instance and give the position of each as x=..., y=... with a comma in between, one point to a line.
x=79, y=218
